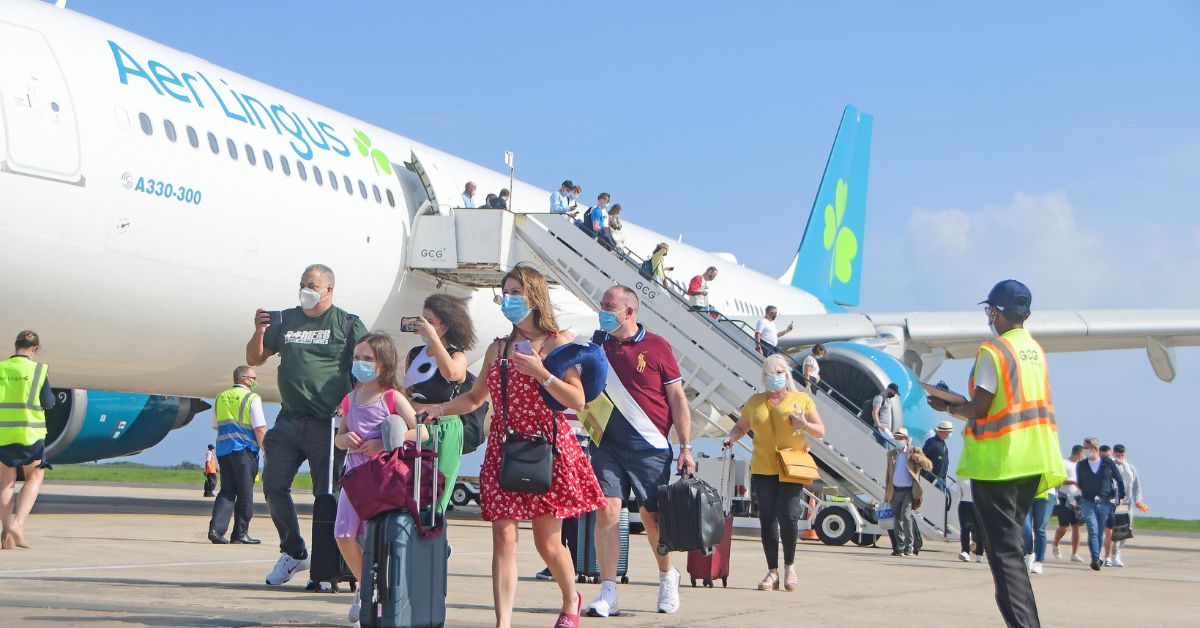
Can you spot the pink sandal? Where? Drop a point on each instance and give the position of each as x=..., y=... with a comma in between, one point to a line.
x=571, y=621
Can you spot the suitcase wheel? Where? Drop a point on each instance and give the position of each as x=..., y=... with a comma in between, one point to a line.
x=580, y=579
x=724, y=582
x=708, y=583
x=353, y=586
x=624, y=579
x=693, y=582
x=336, y=587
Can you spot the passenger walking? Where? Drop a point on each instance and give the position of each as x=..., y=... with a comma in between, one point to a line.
x=632, y=451
x=210, y=471
x=615, y=229
x=521, y=408
x=779, y=418
x=593, y=222
x=315, y=342
x=937, y=452
x=360, y=434
x=1010, y=444
x=436, y=372
x=1068, y=511
x=883, y=410
x=904, y=494
x=241, y=427
x=1035, y=531
x=561, y=200
x=698, y=289
x=25, y=395
x=812, y=368
x=658, y=263
x=1133, y=492
x=468, y=195
x=1100, y=482
x=968, y=529
x=766, y=335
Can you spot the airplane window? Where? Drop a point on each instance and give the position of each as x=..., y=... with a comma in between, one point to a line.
x=362, y=188
x=250, y=155
x=213, y=144
x=317, y=176
x=302, y=171
x=287, y=167
x=267, y=161
x=333, y=181
x=348, y=184
x=391, y=199
x=193, y=139
x=231, y=149
x=145, y=122
x=375, y=189
x=169, y=128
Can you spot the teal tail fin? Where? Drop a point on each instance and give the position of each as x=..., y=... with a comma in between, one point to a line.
x=828, y=263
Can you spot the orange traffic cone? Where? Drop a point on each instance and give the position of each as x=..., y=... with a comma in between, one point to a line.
x=811, y=534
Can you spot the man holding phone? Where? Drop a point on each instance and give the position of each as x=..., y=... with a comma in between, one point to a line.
x=315, y=342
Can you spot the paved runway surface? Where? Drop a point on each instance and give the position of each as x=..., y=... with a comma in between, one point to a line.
x=137, y=556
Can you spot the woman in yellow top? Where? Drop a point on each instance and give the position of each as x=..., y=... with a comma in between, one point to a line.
x=780, y=418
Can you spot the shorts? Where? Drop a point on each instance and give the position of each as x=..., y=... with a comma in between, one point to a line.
x=17, y=455
x=1110, y=522
x=1067, y=514
x=621, y=470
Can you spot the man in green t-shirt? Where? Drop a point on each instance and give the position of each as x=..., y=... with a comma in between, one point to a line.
x=315, y=343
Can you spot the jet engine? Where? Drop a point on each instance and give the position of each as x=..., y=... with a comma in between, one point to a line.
x=858, y=372
x=87, y=425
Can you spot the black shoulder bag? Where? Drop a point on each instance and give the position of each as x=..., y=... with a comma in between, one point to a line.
x=527, y=461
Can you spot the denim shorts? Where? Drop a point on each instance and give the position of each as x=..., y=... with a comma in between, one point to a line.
x=621, y=470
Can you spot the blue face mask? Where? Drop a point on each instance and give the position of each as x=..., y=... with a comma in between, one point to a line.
x=363, y=371
x=514, y=307
x=609, y=322
x=776, y=382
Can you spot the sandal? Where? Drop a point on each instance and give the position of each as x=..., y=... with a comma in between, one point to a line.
x=566, y=620
x=791, y=582
x=769, y=582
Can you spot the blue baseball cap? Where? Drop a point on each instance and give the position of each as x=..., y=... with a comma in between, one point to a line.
x=1010, y=295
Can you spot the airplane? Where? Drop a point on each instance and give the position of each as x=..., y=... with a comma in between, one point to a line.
x=153, y=200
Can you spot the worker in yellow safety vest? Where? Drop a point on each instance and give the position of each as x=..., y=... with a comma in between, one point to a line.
x=25, y=396
x=241, y=428
x=1010, y=444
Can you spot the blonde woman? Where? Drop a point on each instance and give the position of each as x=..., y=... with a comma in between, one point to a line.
x=781, y=417
x=574, y=489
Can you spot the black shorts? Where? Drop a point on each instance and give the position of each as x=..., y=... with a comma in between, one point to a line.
x=16, y=455
x=1067, y=514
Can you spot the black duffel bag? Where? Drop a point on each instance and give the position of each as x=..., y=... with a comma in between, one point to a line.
x=690, y=516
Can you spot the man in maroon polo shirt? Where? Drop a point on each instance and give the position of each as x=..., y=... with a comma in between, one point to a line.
x=634, y=453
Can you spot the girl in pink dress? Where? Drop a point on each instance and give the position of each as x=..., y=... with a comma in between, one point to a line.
x=361, y=433
x=574, y=489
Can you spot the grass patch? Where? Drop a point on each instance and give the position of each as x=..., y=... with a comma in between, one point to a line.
x=1157, y=524
x=182, y=474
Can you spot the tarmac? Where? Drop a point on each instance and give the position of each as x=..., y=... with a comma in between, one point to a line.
x=110, y=555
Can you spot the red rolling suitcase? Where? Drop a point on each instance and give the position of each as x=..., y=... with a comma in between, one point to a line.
x=709, y=568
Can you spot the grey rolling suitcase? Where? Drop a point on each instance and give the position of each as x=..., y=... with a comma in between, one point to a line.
x=587, y=565
x=404, y=574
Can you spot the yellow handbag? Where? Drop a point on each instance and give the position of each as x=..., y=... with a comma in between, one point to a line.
x=797, y=466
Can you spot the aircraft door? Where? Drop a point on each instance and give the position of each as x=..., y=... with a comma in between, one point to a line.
x=40, y=129
x=439, y=185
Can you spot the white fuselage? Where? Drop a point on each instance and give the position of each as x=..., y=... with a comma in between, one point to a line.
x=141, y=290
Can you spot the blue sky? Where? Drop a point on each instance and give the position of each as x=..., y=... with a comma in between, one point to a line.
x=1066, y=129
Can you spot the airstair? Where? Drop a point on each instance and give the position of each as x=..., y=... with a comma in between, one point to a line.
x=720, y=367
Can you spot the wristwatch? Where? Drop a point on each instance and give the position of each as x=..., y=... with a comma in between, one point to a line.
x=685, y=446
x=549, y=379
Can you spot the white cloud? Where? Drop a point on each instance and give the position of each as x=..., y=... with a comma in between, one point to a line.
x=1068, y=260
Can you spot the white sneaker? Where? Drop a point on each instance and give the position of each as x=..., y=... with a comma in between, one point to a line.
x=1057, y=552
x=1029, y=562
x=1108, y=562
x=1116, y=561
x=285, y=568
x=668, y=591
x=979, y=558
x=1036, y=568
x=354, y=609
x=965, y=557
x=606, y=603
x=1076, y=558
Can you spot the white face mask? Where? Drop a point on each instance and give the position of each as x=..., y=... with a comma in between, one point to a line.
x=309, y=298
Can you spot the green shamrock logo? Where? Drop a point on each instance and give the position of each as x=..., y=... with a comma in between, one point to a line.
x=378, y=159
x=840, y=239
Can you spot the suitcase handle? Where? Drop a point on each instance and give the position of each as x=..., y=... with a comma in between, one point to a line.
x=421, y=419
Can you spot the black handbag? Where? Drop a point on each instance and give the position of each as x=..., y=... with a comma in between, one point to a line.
x=527, y=461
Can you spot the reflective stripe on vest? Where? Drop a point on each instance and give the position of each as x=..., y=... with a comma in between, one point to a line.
x=22, y=419
x=1011, y=411
x=232, y=408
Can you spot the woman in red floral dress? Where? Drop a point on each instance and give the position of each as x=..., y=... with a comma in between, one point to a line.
x=574, y=489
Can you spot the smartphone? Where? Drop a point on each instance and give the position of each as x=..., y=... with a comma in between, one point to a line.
x=523, y=347
x=276, y=317
x=409, y=323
